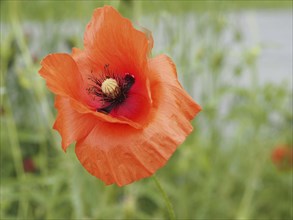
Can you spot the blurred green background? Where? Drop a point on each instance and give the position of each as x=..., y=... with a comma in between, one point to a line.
x=234, y=58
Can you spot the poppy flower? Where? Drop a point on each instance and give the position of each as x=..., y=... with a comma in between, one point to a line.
x=282, y=157
x=126, y=112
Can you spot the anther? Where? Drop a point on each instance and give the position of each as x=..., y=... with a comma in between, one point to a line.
x=110, y=88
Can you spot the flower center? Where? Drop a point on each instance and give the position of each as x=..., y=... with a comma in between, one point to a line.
x=110, y=88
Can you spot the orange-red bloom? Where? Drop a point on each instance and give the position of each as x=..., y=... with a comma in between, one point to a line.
x=127, y=112
x=282, y=157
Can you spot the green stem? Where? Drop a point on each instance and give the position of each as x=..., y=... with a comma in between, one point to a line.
x=167, y=200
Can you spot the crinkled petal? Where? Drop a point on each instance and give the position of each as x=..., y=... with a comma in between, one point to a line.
x=165, y=85
x=121, y=154
x=111, y=39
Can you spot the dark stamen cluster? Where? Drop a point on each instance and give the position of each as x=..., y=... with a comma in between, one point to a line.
x=109, y=102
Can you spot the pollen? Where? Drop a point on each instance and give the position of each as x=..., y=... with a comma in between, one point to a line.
x=110, y=88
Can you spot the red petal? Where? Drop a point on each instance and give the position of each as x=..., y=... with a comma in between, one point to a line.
x=120, y=154
x=70, y=124
x=111, y=39
x=165, y=85
x=62, y=76
x=137, y=106
x=73, y=125
x=85, y=65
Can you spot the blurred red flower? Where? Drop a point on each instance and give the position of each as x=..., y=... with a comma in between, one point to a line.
x=28, y=165
x=126, y=111
x=282, y=157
